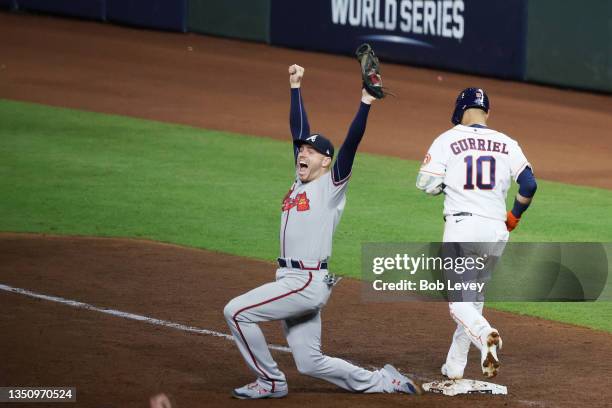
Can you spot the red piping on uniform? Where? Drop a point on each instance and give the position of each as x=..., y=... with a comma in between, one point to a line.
x=259, y=304
x=287, y=219
x=316, y=268
x=285, y=230
x=465, y=326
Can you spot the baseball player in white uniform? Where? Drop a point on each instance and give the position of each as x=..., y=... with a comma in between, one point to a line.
x=473, y=166
x=310, y=214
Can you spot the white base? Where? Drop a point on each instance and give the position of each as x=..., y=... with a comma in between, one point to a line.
x=464, y=386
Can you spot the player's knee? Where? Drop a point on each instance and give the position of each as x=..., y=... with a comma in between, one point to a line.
x=454, y=308
x=230, y=310
x=306, y=367
x=310, y=365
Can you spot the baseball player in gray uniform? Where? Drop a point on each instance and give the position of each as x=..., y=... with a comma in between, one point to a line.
x=310, y=213
x=474, y=165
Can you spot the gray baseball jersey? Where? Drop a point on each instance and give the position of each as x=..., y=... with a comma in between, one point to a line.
x=310, y=214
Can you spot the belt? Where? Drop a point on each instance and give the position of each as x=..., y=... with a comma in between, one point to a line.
x=459, y=214
x=296, y=264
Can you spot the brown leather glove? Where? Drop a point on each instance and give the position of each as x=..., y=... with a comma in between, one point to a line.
x=370, y=71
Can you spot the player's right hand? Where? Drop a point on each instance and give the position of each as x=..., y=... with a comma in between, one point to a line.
x=511, y=221
x=296, y=73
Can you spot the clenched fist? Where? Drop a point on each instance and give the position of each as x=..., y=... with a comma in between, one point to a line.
x=296, y=73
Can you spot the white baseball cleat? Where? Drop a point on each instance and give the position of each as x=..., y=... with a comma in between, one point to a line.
x=399, y=382
x=255, y=390
x=488, y=355
x=451, y=373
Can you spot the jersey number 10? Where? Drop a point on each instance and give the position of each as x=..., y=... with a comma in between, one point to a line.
x=480, y=165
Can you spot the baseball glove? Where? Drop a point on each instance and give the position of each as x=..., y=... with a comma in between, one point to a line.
x=370, y=71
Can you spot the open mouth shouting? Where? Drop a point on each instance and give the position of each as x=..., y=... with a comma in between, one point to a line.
x=302, y=168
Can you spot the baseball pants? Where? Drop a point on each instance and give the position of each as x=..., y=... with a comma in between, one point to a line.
x=485, y=236
x=295, y=298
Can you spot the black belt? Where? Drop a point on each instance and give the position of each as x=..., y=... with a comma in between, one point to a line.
x=299, y=265
x=460, y=214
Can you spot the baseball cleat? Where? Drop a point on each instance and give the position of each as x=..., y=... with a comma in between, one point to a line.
x=255, y=390
x=401, y=383
x=490, y=362
x=450, y=373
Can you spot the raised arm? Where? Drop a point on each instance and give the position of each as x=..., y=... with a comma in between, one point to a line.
x=298, y=121
x=346, y=155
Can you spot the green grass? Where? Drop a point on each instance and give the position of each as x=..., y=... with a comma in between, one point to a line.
x=72, y=172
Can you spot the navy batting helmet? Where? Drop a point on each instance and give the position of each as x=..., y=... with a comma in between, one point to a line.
x=469, y=98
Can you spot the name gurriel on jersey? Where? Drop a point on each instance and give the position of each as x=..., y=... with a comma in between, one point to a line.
x=483, y=145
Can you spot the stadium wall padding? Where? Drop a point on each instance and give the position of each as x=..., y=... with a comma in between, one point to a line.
x=244, y=19
x=544, y=41
x=94, y=9
x=10, y=4
x=158, y=14
x=570, y=44
x=475, y=36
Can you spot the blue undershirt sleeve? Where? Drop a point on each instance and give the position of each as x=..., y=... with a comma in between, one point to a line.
x=341, y=169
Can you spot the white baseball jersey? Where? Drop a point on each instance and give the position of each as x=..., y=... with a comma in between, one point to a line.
x=477, y=165
x=310, y=214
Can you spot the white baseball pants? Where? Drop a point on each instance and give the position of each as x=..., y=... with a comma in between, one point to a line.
x=472, y=327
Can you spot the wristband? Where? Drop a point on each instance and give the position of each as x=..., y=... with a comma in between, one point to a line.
x=519, y=208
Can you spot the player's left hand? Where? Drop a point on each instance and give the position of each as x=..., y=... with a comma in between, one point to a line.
x=511, y=221
x=370, y=71
x=366, y=97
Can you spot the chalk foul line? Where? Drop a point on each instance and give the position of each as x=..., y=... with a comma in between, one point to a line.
x=127, y=315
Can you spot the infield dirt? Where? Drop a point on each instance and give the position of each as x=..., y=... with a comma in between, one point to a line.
x=119, y=363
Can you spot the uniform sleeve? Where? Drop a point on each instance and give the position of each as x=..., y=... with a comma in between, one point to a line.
x=335, y=191
x=527, y=183
x=341, y=170
x=298, y=121
x=436, y=160
x=518, y=161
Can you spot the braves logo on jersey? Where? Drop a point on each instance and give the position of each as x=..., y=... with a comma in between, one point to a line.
x=300, y=201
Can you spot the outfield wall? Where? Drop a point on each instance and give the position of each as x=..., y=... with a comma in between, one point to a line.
x=10, y=4
x=475, y=36
x=94, y=9
x=160, y=14
x=570, y=43
x=244, y=19
x=545, y=41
